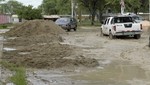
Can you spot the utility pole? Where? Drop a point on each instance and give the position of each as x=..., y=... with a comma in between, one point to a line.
x=122, y=6
x=72, y=8
x=149, y=10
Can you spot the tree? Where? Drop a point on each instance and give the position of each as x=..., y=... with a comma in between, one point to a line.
x=102, y=7
x=14, y=6
x=144, y=5
x=91, y=5
x=29, y=13
x=10, y=7
x=133, y=8
x=130, y=5
x=56, y=7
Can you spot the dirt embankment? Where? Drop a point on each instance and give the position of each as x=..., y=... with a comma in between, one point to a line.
x=146, y=26
x=38, y=45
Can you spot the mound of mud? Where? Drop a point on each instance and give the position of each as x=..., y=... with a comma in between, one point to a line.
x=146, y=27
x=35, y=27
x=48, y=56
x=38, y=39
x=145, y=23
x=37, y=45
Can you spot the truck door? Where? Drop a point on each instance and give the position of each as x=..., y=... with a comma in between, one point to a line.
x=107, y=27
x=104, y=26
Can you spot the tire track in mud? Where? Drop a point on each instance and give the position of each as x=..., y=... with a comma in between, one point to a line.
x=138, y=55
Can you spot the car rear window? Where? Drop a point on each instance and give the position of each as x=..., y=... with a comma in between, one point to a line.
x=122, y=19
x=62, y=20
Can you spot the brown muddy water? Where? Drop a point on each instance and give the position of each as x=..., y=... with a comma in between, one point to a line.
x=110, y=73
x=116, y=73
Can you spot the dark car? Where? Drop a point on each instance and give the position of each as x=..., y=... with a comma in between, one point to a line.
x=67, y=23
x=137, y=18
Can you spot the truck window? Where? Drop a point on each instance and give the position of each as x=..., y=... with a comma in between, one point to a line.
x=112, y=21
x=122, y=19
x=108, y=21
x=105, y=21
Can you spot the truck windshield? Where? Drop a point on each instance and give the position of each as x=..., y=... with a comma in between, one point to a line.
x=122, y=19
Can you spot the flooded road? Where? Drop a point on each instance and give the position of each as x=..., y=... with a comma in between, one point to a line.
x=117, y=73
x=122, y=61
x=110, y=73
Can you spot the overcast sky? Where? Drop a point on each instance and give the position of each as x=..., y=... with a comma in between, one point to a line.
x=34, y=3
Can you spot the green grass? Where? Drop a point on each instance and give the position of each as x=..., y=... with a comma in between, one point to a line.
x=5, y=26
x=19, y=78
x=88, y=23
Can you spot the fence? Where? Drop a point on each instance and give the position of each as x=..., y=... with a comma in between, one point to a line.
x=4, y=19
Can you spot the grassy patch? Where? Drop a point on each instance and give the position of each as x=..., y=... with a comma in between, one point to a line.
x=19, y=78
x=88, y=23
x=5, y=26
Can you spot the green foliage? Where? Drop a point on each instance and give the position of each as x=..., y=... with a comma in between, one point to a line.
x=130, y=5
x=13, y=6
x=144, y=6
x=3, y=26
x=29, y=13
x=56, y=7
x=10, y=7
x=19, y=78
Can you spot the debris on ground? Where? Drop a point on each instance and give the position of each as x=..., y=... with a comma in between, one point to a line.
x=38, y=45
x=145, y=23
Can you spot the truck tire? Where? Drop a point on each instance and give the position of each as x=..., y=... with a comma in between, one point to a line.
x=101, y=32
x=68, y=30
x=111, y=36
x=75, y=28
x=138, y=36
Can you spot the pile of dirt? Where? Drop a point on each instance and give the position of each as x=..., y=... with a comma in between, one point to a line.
x=146, y=27
x=35, y=27
x=48, y=56
x=38, y=46
x=145, y=23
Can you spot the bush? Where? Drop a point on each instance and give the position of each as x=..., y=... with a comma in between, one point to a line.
x=3, y=26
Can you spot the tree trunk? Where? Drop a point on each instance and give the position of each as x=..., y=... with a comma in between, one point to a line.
x=100, y=16
x=135, y=10
x=92, y=19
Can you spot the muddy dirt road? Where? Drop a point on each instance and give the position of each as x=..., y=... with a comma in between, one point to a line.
x=123, y=61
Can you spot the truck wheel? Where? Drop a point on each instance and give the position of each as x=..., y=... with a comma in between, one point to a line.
x=111, y=36
x=101, y=32
x=75, y=28
x=68, y=30
x=138, y=36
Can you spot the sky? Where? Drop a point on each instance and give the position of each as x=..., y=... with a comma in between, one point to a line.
x=34, y=3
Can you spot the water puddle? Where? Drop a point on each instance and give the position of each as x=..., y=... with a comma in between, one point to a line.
x=116, y=73
x=112, y=73
x=24, y=53
x=9, y=49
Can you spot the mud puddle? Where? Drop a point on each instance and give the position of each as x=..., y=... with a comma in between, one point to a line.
x=109, y=73
x=116, y=73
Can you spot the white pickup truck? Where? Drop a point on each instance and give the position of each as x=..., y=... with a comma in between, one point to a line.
x=121, y=26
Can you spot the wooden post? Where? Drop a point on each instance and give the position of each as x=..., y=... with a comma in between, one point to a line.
x=149, y=41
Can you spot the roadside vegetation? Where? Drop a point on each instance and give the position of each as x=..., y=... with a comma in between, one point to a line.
x=19, y=77
x=5, y=26
x=94, y=8
x=88, y=23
